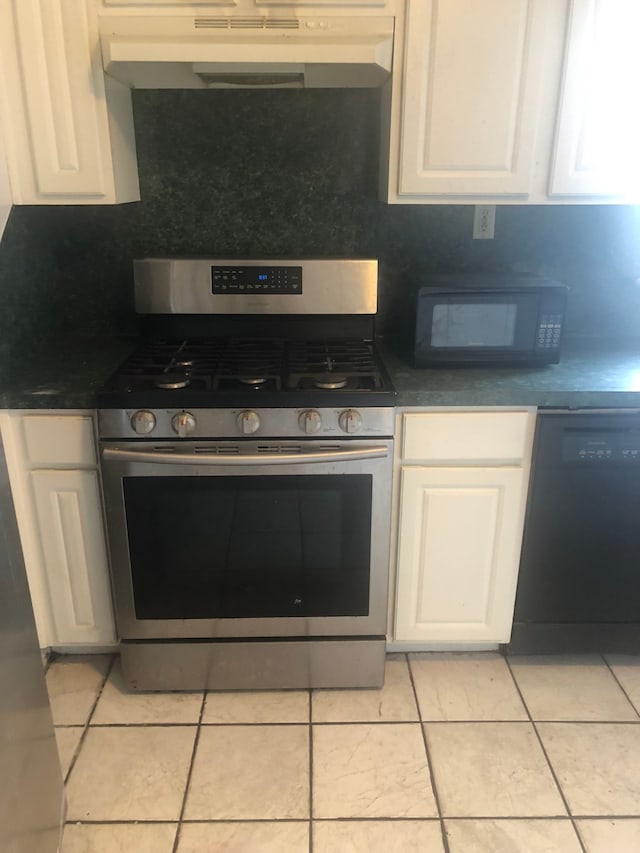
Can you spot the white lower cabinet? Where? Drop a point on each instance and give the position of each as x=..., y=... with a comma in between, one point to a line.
x=69, y=515
x=55, y=485
x=460, y=526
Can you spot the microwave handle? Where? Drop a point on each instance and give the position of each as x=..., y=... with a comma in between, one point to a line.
x=355, y=453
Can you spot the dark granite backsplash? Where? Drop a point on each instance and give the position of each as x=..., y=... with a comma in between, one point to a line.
x=291, y=173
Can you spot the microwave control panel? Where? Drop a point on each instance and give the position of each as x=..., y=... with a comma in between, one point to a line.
x=549, y=330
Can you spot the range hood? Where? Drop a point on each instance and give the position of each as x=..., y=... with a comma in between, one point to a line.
x=202, y=52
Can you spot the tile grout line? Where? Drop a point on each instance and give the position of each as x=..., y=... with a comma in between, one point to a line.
x=619, y=683
x=343, y=724
x=397, y=819
x=310, y=770
x=196, y=740
x=546, y=756
x=445, y=840
x=85, y=729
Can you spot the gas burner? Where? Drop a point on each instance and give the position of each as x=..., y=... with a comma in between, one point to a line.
x=172, y=381
x=330, y=381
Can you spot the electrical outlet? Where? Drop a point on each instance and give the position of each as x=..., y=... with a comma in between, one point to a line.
x=484, y=221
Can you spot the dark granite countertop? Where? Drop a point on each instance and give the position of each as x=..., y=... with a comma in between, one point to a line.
x=63, y=375
x=603, y=375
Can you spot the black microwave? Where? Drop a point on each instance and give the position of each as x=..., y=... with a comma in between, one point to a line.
x=490, y=319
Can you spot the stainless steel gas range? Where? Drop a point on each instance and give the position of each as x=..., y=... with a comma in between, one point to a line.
x=246, y=453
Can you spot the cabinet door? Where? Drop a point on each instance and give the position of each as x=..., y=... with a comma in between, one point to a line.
x=175, y=3
x=59, y=97
x=458, y=551
x=598, y=130
x=320, y=4
x=472, y=86
x=69, y=133
x=70, y=524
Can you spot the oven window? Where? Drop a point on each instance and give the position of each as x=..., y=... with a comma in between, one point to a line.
x=242, y=547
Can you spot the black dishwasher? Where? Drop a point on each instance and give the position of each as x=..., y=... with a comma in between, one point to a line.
x=579, y=581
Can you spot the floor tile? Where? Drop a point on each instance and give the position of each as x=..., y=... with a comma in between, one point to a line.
x=137, y=773
x=610, y=836
x=74, y=682
x=119, y=838
x=627, y=671
x=118, y=705
x=377, y=836
x=250, y=772
x=371, y=770
x=597, y=765
x=285, y=706
x=67, y=739
x=465, y=687
x=512, y=836
x=263, y=837
x=491, y=770
x=394, y=702
x=577, y=687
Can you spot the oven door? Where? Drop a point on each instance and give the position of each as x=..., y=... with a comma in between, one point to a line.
x=247, y=539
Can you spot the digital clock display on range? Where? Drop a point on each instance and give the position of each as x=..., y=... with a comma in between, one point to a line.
x=251, y=280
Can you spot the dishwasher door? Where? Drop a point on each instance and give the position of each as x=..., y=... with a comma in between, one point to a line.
x=579, y=581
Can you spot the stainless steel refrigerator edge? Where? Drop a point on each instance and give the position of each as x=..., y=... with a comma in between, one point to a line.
x=31, y=787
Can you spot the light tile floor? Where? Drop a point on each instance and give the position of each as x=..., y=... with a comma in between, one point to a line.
x=457, y=753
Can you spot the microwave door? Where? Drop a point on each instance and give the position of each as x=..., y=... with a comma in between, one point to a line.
x=476, y=328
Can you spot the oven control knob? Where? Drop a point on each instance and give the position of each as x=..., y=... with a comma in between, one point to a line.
x=310, y=421
x=183, y=424
x=248, y=422
x=350, y=420
x=143, y=422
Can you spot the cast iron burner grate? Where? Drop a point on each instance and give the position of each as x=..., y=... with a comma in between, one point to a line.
x=250, y=365
x=332, y=365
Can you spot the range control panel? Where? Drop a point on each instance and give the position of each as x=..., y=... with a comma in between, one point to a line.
x=601, y=447
x=251, y=280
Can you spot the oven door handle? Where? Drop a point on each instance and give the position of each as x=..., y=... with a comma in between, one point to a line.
x=372, y=452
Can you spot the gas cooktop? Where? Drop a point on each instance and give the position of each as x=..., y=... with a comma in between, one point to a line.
x=240, y=371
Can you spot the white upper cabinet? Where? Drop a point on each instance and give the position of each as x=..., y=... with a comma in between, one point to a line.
x=68, y=129
x=516, y=101
x=473, y=80
x=598, y=130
